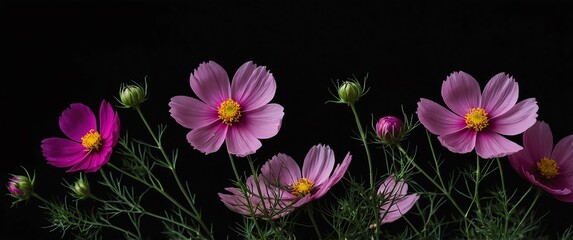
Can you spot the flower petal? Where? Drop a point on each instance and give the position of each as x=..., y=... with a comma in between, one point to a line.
x=437, y=119
x=517, y=119
x=491, y=145
x=500, y=94
x=521, y=160
x=208, y=139
x=538, y=142
x=555, y=191
x=462, y=141
x=398, y=208
x=563, y=155
x=241, y=142
x=253, y=86
x=264, y=122
x=210, y=83
x=108, y=122
x=191, y=113
x=60, y=152
x=337, y=174
x=281, y=171
x=461, y=92
x=77, y=120
x=318, y=164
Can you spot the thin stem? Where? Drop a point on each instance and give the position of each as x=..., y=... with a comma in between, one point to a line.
x=171, y=166
x=505, y=210
x=310, y=213
x=537, y=195
x=84, y=221
x=245, y=192
x=476, y=188
x=369, y=158
x=165, y=194
x=364, y=143
x=439, y=186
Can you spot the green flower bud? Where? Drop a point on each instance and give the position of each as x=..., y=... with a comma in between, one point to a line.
x=350, y=91
x=80, y=189
x=132, y=95
x=20, y=187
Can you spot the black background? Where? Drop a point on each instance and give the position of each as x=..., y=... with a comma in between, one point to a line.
x=59, y=52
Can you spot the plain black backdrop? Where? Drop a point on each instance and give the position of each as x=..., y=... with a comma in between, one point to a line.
x=59, y=52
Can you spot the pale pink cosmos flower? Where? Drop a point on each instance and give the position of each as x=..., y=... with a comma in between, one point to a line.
x=546, y=166
x=478, y=120
x=316, y=177
x=237, y=112
x=261, y=200
x=88, y=147
x=396, y=201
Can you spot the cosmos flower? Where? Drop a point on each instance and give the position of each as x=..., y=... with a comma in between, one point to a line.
x=317, y=176
x=237, y=112
x=396, y=201
x=478, y=120
x=87, y=146
x=261, y=200
x=550, y=168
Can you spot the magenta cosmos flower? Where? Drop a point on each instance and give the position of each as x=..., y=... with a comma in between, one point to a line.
x=237, y=112
x=261, y=200
x=312, y=182
x=478, y=120
x=396, y=201
x=88, y=147
x=550, y=168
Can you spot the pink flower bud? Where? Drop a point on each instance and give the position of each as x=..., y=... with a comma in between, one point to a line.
x=389, y=129
x=20, y=187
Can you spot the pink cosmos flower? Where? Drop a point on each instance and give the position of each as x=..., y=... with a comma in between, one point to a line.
x=478, y=120
x=261, y=200
x=315, y=179
x=238, y=113
x=550, y=168
x=396, y=201
x=88, y=147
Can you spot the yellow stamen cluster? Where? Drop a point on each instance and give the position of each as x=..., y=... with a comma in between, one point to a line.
x=302, y=187
x=229, y=112
x=548, y=168
x=477, y=119
x=92, y=140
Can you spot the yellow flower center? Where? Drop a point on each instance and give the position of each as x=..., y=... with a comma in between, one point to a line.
x=302, y=187
x=548, y=168
x=229, y=112
x=92, y=140
x=477, y=119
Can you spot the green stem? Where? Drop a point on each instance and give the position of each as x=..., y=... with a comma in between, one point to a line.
x=365, y=144
x=439, y=186
x=245, y=192
x=310, y=213
x=505, y=202
x=517, y=229
x=84, y=221
x=476, y=189
x=370, y=170
x=171, y=167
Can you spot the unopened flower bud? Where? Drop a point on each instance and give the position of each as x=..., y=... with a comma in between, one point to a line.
x=350, y=91
x=389, y=129
x=81, y=189
x=20, y=187
x=132, y=95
